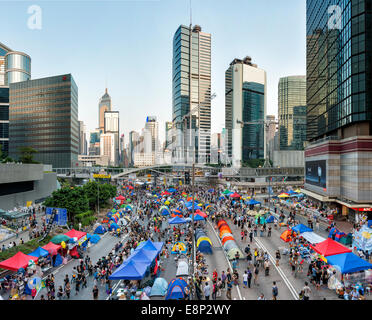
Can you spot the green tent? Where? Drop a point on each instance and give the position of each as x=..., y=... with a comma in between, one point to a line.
x=122, y=206
x=59, y=238
x=128, y=200
x=113, y=210
x=226, y=191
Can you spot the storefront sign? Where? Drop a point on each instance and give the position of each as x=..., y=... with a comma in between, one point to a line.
x=101, y=176
x=362, y=209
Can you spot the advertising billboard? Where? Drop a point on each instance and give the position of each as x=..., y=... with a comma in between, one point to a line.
x=316, y=173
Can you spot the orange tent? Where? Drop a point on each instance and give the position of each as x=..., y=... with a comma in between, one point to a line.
x=287, y=235
x=223, y=228
x=226, y=239
x=223, y=232
x=173, y=215
x=220, y=223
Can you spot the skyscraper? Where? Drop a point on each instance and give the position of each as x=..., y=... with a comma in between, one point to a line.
x=4, y=120
x=82, y=138
x=339, y=99
x=111, y=125
x=292, y=112
x=94, y=142
x=43, y=114
x=133, y=146
x=15, y=66
x=168, y=134
x=191, y=87
x=245, y=101
x=104, y=105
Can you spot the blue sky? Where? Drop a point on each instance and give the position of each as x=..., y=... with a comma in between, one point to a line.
x=129, y=45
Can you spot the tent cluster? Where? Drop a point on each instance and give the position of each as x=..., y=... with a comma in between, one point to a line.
x=138, y=264
x=203, y=243
x=228, y=241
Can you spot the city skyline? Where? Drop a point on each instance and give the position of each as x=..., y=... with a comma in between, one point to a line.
x=126, y=61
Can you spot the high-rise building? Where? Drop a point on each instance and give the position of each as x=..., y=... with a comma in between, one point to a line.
x=109, y=147
x=271, y=130
x=4, y=120
x=292, y=112
x=245, y=103
x=168, y=134
x=339, y=98
x=216, y=144
x=14, y=66
x=43, y=114
x=111, y=125
x=152, y=132
x=94, y=142
x=82, y=139
x=104, y=105
x=133, y=146
x=191, y=94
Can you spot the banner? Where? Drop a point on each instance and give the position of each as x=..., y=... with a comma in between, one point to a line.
x=101, y=176
x=60, y=218
x=316, y=173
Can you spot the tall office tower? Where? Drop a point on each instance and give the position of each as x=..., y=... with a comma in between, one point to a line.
x=4, y=120
x=104, y=105
x=133, y=146
x=245, y=101
x=43, y=114
x=108, y=147
x=292, y=112
x=168, y=134
x=271, y=130
x=14, y=66
x=191, y=87
x=339, y=99
x=121, y=149
x=216, y=145
x=94, y=142
x=111, y=125
x=152, y=132
x=82, y=138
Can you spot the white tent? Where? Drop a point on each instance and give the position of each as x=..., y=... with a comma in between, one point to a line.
x=312, y=237
x=182, y=268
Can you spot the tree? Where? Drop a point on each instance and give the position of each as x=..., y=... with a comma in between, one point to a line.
x=92, y=189
x=27, y=155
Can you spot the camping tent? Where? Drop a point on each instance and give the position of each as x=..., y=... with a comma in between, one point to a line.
x=142, y=256
x=164, y=211
x=159, y=288
x=226, y=239
x=337, y=233
x=312, y=237
x=300, y=228
x=253, y=202
x=232, y=253
x=94, y=238
x=52, y=248
x=75, y=234
x=179, y=247
x=270, y=219
x=286, y=236
x=348, y=262
x=330, y=247
x=235, y=195
x=19, y=260
x=130, y=271
x=182, y=268
x=100, y=230
x=177, y=220
x=39, y=252
x=113, y=226
x=205, y=246
x=176, y=289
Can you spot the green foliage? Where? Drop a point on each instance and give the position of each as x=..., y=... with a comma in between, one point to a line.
x=26, y=248
x=254, y=163
x=85, y=218
x=105, y=191
x=27, y=155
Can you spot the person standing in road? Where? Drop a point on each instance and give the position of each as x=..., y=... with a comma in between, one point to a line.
x=229, y=288
x=67, y=290
x=245, y=279
x=207, y=291
x=306, y=290
x=277, y=257
x=223, y=279
x=256, y=272
x=95, y=292
x=249, y=277
x=275, y=291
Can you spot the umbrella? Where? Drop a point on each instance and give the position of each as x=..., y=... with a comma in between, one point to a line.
x=59, y=238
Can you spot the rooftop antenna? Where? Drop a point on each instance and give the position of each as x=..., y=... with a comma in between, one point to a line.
x=190, y=15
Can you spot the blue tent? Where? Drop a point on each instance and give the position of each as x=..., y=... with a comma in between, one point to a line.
x=172, y=190
x=130, y=271
x=177, y=220
x=205, y=247
x=348, y=262
x=253, y=202
x=109, y=214
x=211, y=190
x=39, y=252
x=198, y=218
x=143, y=256
x=291, y=192
x=165, y=212
x=270, y=219
x=151, y=246
x=221, y=198
x=100, y=230
x=159, y=287
x=300, y=228
x=94, y=238
x=189, y=207
x=58, y=261
x=113, y=226
x=176, y=289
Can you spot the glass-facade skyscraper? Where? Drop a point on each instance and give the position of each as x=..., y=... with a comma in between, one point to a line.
x=191, y=87
x=43, y=114
x=4, y=120
x=292, y=121
x=245, y=102
x=104, y=105
x=339, y=66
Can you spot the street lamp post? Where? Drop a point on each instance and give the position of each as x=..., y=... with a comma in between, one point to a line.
x=193, y=231
x=98, y=196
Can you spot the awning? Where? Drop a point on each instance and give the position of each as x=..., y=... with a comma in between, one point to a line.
x=317, y=196
x=312, y=237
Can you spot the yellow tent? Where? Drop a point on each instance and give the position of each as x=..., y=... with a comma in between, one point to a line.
x=202, y=239
x=283, y=195
x=298, y=191
x=179, y=247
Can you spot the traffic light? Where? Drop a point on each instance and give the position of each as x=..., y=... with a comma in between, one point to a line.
x=187, y=177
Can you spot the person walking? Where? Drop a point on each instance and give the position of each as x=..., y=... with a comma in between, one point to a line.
x=306, y=291
x=249, y=278
x=223, y=280
x=67, y=290
x=95, y=292
x=277, y=257
x=256, y=271
x=207, y=291
x=214, y=290
x=229, y=288
x=245, y=279
x=275, y=291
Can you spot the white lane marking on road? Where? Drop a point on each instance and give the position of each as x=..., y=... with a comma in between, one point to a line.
x=280, y=271
x=228, y=261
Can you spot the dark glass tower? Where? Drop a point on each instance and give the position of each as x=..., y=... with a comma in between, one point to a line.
x=339, y=68
x=43, y=114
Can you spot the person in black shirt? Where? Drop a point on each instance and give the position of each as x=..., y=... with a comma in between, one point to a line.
x=95, y=293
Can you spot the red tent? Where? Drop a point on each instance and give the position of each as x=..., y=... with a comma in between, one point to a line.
x=19, y=260
x=75, y=234
x=120, y=198
x=52, y=248
x=330, y=247
x=235, y=195
x=165, y=193
x=130, y=187
x=200, y=213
